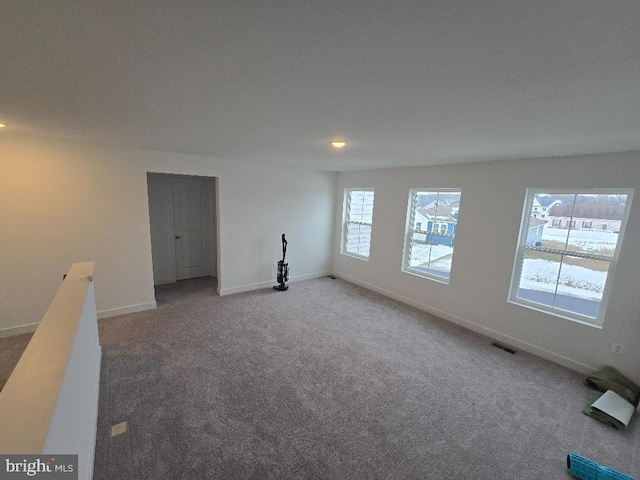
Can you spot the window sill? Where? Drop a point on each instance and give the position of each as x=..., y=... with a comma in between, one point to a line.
x=354, y=255
x=555, y=313
x=435, y=278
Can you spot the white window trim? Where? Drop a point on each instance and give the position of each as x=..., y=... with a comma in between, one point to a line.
x=406, y=251
x=517, y=264
x=345, y=221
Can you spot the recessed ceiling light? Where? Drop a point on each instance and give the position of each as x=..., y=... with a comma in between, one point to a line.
x=2, y=125
x=338, y=143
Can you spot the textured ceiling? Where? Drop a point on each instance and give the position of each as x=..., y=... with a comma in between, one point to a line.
x=404, y=83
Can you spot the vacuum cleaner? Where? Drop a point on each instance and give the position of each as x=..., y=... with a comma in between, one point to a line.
x=586, y=469
x=283, y=269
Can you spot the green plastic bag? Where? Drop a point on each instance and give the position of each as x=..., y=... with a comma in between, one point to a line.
x=608, y=378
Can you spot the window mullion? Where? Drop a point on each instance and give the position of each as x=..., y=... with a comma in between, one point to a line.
x=361, y=223
x=555, y=292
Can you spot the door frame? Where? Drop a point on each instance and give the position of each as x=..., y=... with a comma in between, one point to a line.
x=215, y=224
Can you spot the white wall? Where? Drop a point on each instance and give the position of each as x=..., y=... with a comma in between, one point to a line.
x=491, y=208
x=63, y=202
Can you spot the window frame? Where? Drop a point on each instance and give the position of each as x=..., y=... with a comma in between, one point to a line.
x=346, y=210
x=613, y=259
x=409, y=231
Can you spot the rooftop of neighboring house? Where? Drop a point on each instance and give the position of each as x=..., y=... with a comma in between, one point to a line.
x=545, y=200
x=535, y=222
x=444, y=211
x=589, y=210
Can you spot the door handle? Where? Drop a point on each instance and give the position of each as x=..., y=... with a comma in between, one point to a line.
x=178, y=237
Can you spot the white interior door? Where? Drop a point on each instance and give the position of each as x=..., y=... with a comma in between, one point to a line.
x=193, y=227
x=161, y=222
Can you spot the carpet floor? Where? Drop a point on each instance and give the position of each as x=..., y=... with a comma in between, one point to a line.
x=332, y=381
x=11, y=349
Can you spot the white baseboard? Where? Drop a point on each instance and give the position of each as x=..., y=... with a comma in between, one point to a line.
x=19, y=330
x=112, y=312
x=269, y=283
x=511, y=341
x=31, y=327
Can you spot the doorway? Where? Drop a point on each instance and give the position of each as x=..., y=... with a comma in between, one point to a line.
x=184, y=233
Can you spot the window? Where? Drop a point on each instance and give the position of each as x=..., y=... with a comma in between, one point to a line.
x=555, y=222
x=428, y=252
x=357, y=222
x=567, y=271
x=441, y=228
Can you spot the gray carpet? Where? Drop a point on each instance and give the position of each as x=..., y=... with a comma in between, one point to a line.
x=329, y=380
x=11, y=349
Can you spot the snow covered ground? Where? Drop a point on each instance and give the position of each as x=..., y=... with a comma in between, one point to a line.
x=542, y=275
x=539, y=274
x=588, y=241
x=438, y=255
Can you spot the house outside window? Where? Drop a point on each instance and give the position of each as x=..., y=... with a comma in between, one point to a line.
x=428, y=252
x=357, y=222
x=542, y=204
x=568, y=271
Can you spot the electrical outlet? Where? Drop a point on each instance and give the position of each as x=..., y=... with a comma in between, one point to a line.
x=617, y=348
